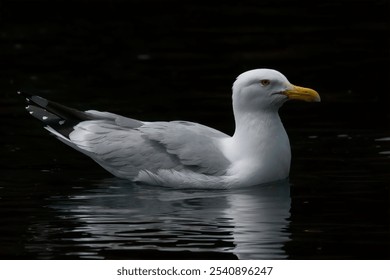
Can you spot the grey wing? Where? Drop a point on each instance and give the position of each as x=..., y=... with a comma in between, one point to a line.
x=125, y=146
x=151, y=147
x=121, y=150
x=196, y=146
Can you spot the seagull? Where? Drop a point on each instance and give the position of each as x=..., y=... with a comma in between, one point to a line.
x=187, y=154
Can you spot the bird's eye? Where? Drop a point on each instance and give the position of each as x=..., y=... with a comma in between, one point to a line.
x=265, y=82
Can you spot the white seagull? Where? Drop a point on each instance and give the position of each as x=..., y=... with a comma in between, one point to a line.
x=187, y=154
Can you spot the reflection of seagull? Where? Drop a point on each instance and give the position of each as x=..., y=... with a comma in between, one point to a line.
x=180, y=153
x=118, y=218
x=260, y=220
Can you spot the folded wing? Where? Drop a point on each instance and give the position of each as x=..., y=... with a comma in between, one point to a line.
x=125, y=147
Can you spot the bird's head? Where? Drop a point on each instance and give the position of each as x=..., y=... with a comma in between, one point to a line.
x=267, y=89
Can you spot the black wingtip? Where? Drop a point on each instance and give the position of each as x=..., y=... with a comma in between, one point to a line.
x=55, y=108
x=35, y=99
x=59, y=117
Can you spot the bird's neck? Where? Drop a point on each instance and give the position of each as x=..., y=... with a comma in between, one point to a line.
x=257, y=127
x=259, y=149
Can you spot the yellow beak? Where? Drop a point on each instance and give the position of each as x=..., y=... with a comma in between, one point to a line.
x=301, y=93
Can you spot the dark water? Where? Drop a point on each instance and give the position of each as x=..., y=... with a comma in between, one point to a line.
x=114, y=219
x=152, y=62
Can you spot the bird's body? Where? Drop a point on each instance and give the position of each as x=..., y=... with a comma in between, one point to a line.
x=187, y=154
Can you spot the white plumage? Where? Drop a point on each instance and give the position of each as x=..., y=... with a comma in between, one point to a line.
x=187, y=154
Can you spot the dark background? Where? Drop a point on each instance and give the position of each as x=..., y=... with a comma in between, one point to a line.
x=178, y=51
x=168, y=60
